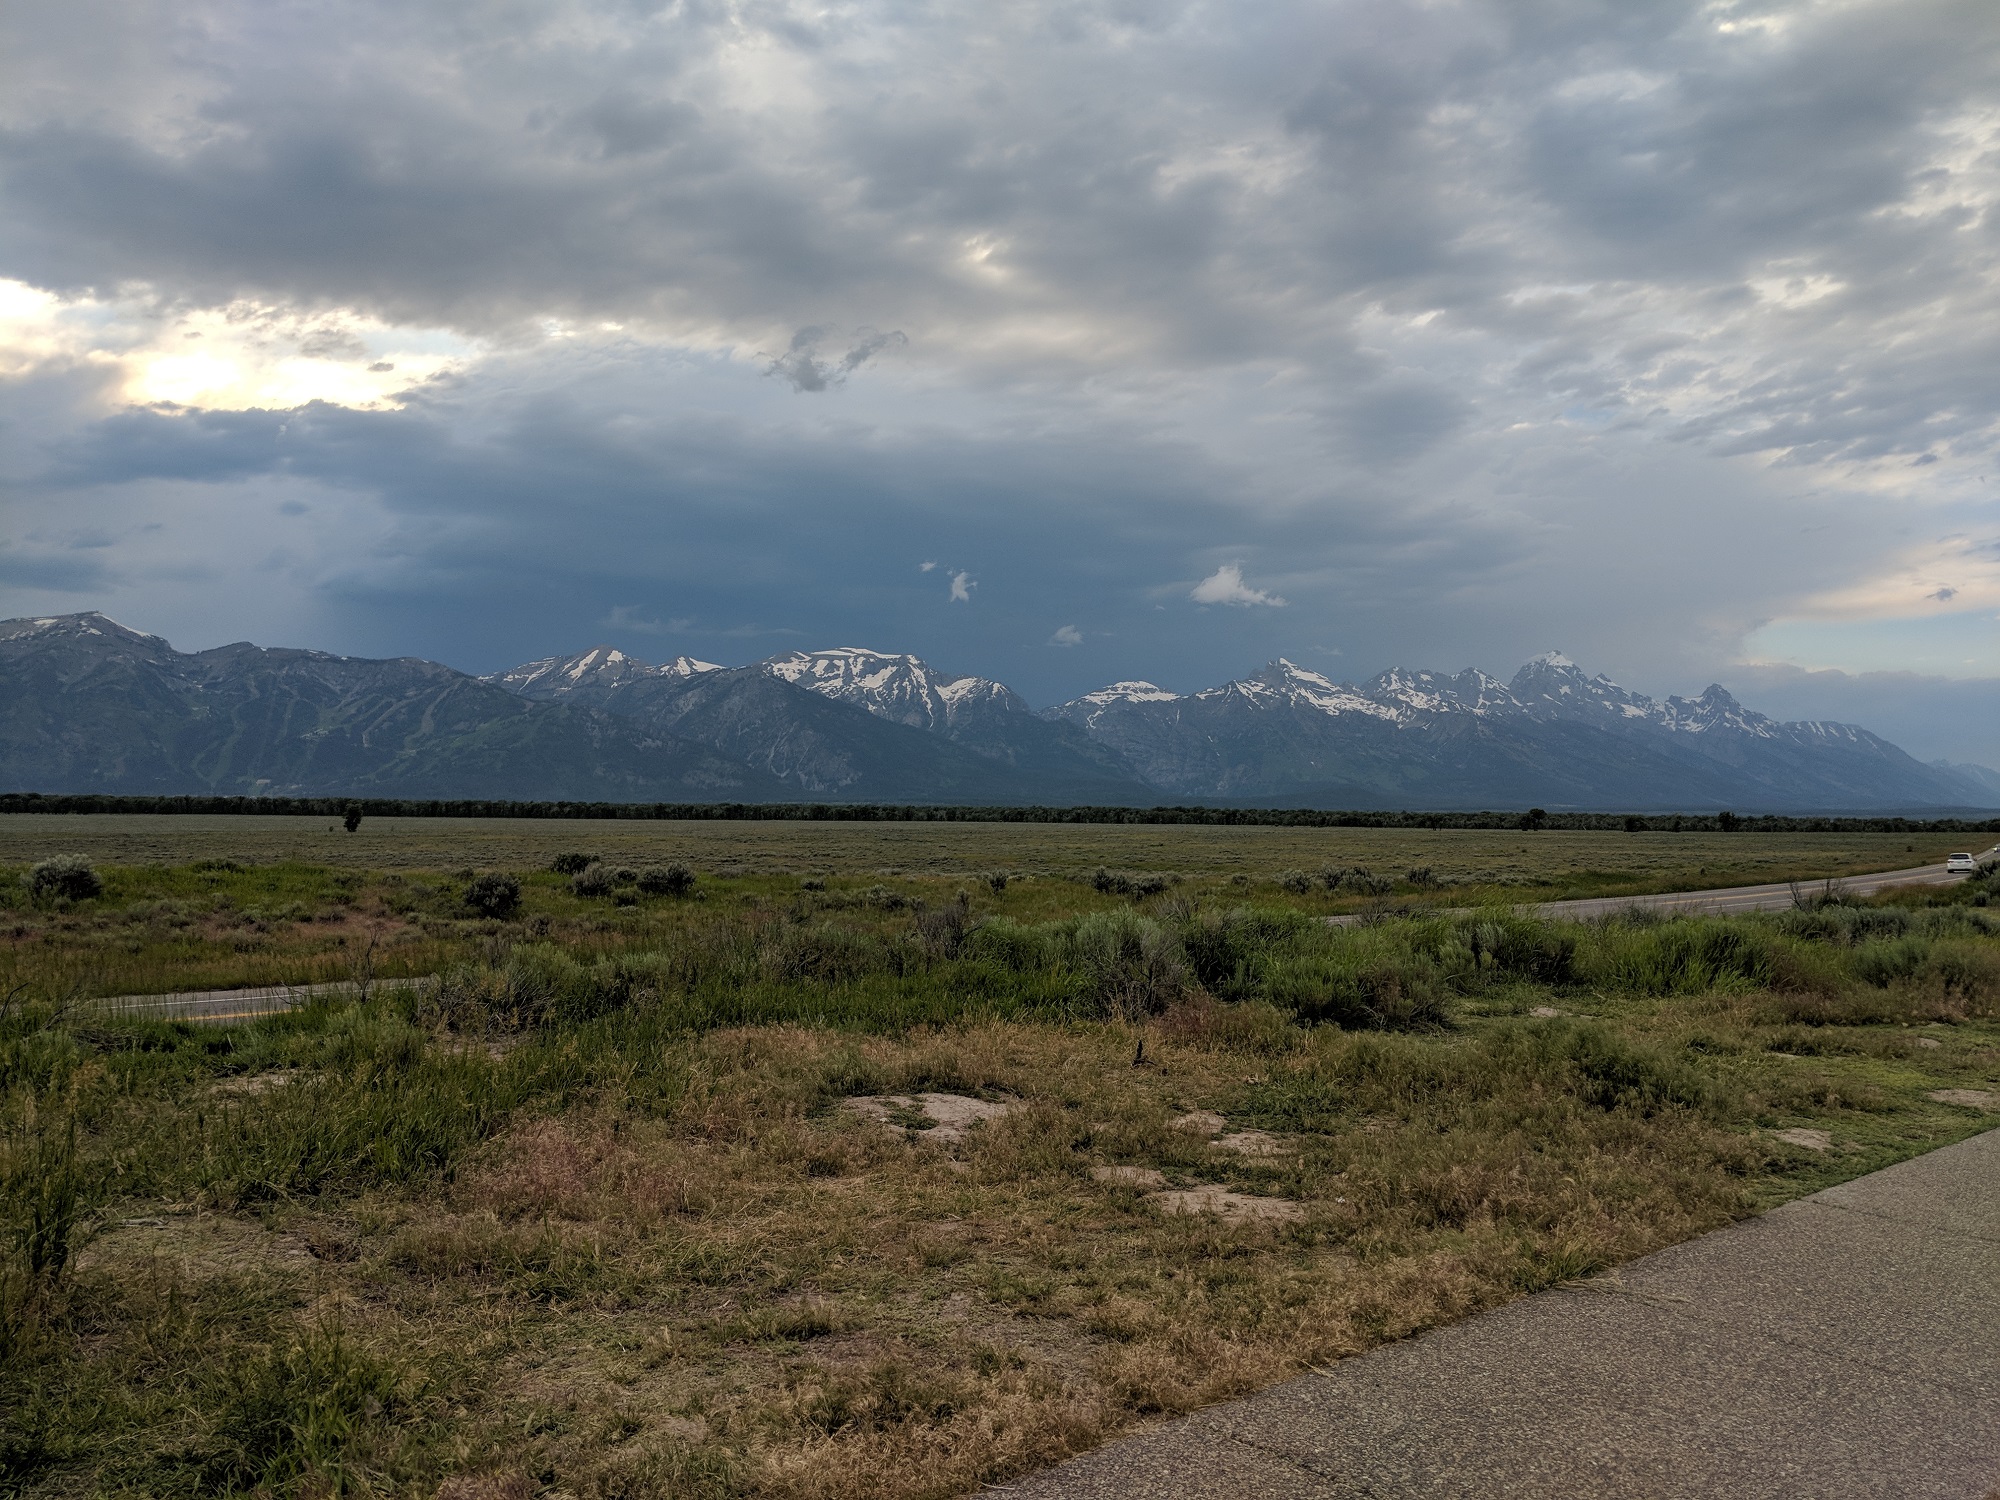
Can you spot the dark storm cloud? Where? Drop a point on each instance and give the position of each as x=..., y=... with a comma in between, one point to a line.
x=1936, y=718
x=1459, y=326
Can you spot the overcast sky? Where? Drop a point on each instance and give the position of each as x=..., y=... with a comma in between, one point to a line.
x=1059, y=343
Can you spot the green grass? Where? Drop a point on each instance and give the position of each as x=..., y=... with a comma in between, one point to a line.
x=591, y=1216
x=1549, y=863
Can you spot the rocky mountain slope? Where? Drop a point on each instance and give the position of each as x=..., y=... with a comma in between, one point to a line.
x=1552, y=735
x=87, y=705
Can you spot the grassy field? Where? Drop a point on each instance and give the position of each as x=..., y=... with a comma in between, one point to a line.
x=1546, y=864
x=675, y=1195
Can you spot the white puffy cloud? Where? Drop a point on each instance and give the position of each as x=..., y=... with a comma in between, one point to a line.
x=1066, y=635
x=1226, y=586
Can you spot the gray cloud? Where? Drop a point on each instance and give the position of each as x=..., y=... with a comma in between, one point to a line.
x=1463, y=328
x=805, y=368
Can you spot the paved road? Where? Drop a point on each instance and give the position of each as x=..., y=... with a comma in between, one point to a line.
x=1843, y=1346
x=1735, y=898
x=1778, y=897
x=231, y=1005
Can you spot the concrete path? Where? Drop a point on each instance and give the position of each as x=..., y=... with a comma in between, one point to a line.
x=1842, y=1346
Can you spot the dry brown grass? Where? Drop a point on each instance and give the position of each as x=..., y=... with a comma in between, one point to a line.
x=759, y=1293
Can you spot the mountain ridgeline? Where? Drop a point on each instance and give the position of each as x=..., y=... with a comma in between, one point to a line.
x=87, y=705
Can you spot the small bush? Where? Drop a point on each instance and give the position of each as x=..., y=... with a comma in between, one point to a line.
x=1360, y=991
x=67, y=877
x=494, y=894
x=1686, y=956
x=883, y=898
x=593, y=880
x=941, y=930
x=823, y=953
x=1296, y=881
x=678, y=879
x=1125, y=964
x=1423, y=877
x=1603, y=1069
x=572, y=864
x=1522, y=948
x=1130, y=882
x=996, y=881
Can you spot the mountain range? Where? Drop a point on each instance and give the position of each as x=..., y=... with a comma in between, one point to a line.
x=87, y=705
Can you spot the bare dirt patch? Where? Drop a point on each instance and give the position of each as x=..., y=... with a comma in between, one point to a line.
x=937, y=1117
x=1137, y=1177
x=1811, y=1140
x=1254, y=1143
x=1222, y=1202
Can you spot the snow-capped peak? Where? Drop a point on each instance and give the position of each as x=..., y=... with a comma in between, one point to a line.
x=601, y=668
x=1092, y=706
x=88, y=622
x=1470, y=691
x=1133, y=690
x=891, y=686
x=1286, y=682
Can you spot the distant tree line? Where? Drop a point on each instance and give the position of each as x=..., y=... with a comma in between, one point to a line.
x=344, y=808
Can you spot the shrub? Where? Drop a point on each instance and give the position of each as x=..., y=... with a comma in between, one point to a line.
x=1013, y=945
x=1228, y=954
x=941, y=930
x=572, y=864
x=1296, y=881
x=541, y=985
x=592, y=880
x=996, y=881
x=822, y=953
x=1423, y=877
x=1523, y=949
x=494, y=894
x=66, y=876
x=1687, y=956
x=1125, y=964
x=1603, y=1069
x=1357, y=990
x=678, y=879
x=1129, y=882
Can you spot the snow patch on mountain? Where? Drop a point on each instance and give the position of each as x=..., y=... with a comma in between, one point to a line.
x=902, y=688
x=601, y=667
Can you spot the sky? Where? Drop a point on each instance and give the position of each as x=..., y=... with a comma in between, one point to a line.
x=1060, y=343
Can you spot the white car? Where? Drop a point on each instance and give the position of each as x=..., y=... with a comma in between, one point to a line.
x=1961, y=864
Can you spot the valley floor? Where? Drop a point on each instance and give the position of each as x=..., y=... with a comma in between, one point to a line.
x=861, y=1184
